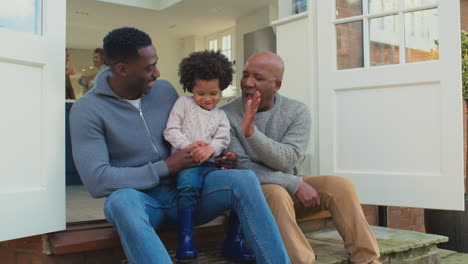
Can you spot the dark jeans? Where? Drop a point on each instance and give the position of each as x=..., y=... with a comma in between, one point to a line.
x=190, y=182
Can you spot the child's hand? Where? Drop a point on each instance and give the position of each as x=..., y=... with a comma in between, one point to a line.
x=202, y=154
x=197, y=144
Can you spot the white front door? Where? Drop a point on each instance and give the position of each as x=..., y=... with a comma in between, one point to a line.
x=390, y=106
x=32, y=116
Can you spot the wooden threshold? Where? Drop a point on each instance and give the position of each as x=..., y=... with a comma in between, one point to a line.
x=319, y=215
x=98, y=235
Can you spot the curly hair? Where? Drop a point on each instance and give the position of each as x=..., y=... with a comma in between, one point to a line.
x=122, y=45
x=205, y=65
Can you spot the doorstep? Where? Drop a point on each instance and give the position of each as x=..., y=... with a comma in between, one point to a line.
x=396, y=246
x=452, y=257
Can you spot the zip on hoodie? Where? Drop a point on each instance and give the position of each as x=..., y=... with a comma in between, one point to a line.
x=149, y=133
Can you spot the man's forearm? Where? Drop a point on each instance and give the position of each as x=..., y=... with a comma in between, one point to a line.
x=276, y=155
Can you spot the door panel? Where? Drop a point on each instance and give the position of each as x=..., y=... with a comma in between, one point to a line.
x=391, y=121
x=32, y=68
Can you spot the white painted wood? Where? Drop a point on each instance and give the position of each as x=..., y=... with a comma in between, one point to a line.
x=293, y=45
x=395, y=131
x=32, y=114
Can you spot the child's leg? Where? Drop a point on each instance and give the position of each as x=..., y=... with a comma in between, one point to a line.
x=188, y=186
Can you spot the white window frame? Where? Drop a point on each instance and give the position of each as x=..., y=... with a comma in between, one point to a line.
x=231, y=91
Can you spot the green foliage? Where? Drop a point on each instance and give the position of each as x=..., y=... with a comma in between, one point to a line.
x=464, y=56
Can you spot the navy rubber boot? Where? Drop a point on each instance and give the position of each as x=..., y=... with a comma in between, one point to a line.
x=234, y=245
x=185, y=248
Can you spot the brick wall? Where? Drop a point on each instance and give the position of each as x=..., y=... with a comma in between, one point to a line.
x=397, y=217
x=406, y=218
x=30, y=250
x=465, y=138
x=464, y=14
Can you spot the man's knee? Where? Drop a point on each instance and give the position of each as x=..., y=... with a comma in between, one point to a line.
x=277, y=197
x=336, y=186
x=342, y=185
x=244, y=178
x=121, y=202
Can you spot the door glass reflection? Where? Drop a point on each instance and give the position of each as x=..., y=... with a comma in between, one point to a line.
x=421, y=35
x=384, y=35
x=348, y=8
x=349, y=45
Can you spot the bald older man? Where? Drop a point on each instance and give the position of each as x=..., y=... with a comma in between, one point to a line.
x=270, y=134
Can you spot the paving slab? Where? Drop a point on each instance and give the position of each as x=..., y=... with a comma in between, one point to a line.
x=329, y=253
x=390, y=240
x=458, y=258
x=445, y=252
x=396, y=246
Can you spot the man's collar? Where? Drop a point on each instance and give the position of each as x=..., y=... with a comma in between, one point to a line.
x=102, y=85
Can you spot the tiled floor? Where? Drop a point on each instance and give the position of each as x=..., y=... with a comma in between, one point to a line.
x=81, y=206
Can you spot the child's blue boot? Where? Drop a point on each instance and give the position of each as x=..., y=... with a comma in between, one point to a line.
x=185, y=248
x=234, y=245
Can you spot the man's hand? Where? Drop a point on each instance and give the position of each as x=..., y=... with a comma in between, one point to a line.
x=227, y=160
x=251, y=107
x=308, y=196
x=179, y=160
x=198, y=144
x=84, y=81
x=202, y=154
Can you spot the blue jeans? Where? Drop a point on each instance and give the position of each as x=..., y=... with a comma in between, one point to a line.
x=137, y=214
x=190, y=182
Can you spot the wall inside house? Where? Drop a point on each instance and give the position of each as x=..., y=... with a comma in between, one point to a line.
x=188, y=45
x=253, y=21
x=167, y=48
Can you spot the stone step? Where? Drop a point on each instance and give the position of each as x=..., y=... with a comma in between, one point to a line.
x=396, y=246
x=452, y=257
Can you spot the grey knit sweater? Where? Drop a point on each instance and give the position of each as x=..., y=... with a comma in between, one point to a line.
x=117, y=146
x=278, y=144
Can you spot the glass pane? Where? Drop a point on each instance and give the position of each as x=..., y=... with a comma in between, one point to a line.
x=349, y=45
x=298, y=6
x=229, y=91
x=226, y=42
x=377, y=6
x=421, y=35
x=227, y=53
x=213, y=44
x=384, y=35
x=348, y=8
x=415, y=3
x=21, y=15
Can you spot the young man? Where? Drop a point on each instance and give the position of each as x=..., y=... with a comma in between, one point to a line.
x=100, y=64
x=119, y=151
x=270, y=134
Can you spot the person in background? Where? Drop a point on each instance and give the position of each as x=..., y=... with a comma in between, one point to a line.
x=69, y=70
x=101, y=65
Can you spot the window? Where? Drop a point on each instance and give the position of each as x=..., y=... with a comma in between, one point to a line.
x=21, y=15
x=224, y=42
x=384, y=32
